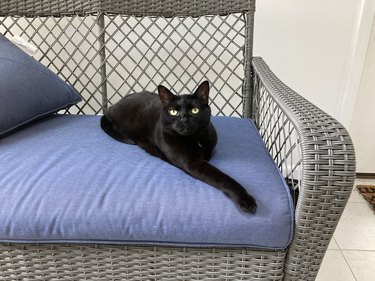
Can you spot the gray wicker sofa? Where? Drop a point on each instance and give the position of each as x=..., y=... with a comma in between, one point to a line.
x=92, y=44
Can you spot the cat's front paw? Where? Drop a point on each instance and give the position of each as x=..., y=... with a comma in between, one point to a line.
x=243, y=200
x=247, y=203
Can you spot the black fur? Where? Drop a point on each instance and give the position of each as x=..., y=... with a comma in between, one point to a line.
x=183, y=137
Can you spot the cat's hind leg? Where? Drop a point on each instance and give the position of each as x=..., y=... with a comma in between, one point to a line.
x=108, y=127
x=151, y=149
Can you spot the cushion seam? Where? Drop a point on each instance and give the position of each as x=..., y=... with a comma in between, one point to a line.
x=55, y=109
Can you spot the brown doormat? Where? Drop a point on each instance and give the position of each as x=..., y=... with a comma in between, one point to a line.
x=368, y=192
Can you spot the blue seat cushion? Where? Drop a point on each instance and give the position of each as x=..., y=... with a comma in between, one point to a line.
x=62, y=179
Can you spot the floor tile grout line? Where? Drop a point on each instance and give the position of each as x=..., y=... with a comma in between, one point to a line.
x=342, y=251
x=334, y=239
x=347, y=263
x=343, y=256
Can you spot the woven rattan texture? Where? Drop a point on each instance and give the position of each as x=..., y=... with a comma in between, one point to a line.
x=106, y=57
x=110, y=262
x=165, y=8
x=327, y=173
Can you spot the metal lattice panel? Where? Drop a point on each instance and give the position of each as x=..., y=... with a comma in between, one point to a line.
x=279, y=135
x=179, y=53
x=106, y=57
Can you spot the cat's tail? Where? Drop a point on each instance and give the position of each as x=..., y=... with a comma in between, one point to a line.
x=108, y=127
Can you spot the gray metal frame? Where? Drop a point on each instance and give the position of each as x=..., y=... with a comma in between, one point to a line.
x=92, y=45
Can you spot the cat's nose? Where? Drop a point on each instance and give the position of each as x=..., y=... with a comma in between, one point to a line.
x=184, y=120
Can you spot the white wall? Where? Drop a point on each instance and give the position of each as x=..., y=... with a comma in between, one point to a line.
x=362, y=128
x=308, y=44
x=318, y=48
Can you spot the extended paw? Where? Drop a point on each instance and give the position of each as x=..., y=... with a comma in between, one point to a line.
x=247, y=204
x=243, y=200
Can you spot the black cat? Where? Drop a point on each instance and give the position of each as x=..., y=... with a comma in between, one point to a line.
x=178, y=130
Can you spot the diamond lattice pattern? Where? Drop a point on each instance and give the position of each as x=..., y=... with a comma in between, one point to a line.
x=106, y=57
x=279, y=135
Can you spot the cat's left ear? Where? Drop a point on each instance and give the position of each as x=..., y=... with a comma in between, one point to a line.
x=165, y=95
x=203, y=91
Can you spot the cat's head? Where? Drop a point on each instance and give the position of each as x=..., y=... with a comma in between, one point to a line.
x=185, y=114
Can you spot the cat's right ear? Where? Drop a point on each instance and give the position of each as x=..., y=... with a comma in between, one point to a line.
x=165, y=95
x=203, y=91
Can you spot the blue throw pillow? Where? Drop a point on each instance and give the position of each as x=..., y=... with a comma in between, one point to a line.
x=28, y=89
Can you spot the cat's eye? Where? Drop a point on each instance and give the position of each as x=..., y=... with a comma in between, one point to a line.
x=173, y=112
x=195, y=110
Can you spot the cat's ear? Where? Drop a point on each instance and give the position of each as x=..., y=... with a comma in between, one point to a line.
x=203, y=91
x=165, y=95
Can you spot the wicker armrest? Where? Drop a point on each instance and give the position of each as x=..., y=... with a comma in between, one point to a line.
x=323, y=168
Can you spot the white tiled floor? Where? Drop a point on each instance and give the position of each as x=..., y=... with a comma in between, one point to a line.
x=351, y=254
